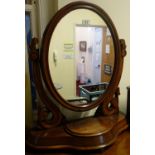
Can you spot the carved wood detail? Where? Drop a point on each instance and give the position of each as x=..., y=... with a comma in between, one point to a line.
x=111, y=107
x=56, y=115
x=123, y=47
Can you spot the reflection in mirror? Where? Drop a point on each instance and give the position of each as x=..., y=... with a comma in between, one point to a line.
x=81, y=57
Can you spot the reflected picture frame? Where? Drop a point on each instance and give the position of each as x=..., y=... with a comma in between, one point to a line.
x=107, y=69
x=83, y=46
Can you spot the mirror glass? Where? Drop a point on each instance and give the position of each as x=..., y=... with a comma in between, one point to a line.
x=81, y=57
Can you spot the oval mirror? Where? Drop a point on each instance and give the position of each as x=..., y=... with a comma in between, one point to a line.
x=81, y=56
x=81, y=62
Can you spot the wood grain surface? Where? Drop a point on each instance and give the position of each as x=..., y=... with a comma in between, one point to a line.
x=120, y=147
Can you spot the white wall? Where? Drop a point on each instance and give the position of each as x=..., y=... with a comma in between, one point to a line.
x=119, y=11
x=46, y=10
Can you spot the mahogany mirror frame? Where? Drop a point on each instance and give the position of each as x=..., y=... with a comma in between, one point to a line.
x=88, y=133
x=118, y=64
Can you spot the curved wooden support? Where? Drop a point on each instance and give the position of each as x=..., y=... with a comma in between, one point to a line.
x=111, y=107
x=56, y=115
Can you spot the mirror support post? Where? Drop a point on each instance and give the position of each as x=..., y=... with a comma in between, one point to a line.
x=49, y=106
x=106, y=110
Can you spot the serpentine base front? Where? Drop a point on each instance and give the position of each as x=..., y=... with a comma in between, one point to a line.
x=86, y=134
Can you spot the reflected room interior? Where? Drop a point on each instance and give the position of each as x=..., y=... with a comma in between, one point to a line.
x=85, y=58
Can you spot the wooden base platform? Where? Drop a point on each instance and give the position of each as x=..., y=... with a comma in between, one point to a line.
x=120, y=147
x=87, y=134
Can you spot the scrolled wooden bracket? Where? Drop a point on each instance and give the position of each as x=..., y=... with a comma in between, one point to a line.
x=111, y=107
x=123, y=47
x=49, y=106
x=44, y=122
x=33, y=53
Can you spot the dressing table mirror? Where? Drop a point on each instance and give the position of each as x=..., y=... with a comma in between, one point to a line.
x=76, y=73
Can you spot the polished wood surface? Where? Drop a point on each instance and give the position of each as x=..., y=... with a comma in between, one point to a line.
x=120, y=147
x=87, y=134
x=93, y=126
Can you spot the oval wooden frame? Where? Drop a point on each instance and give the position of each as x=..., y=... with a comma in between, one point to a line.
x=107, y=96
